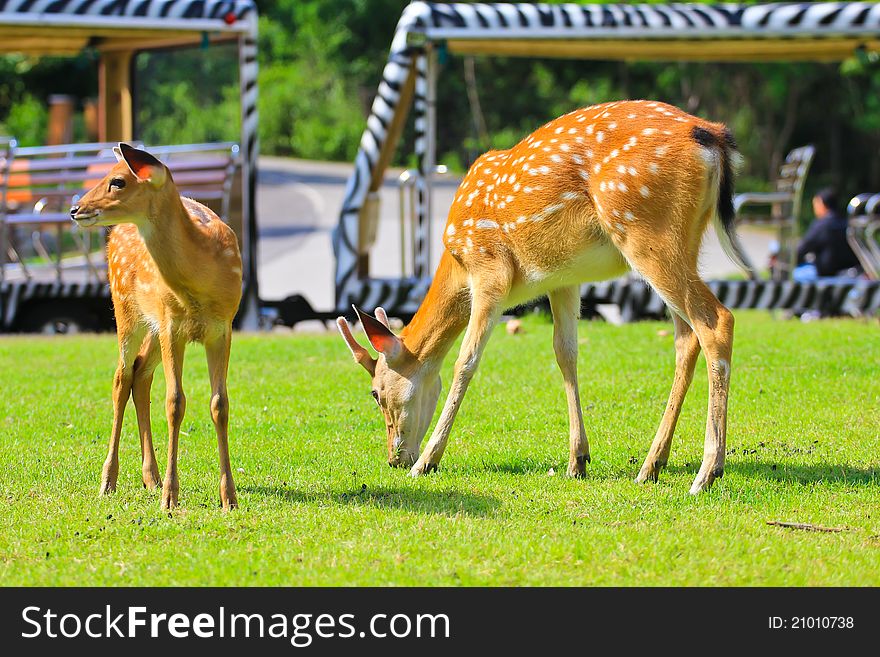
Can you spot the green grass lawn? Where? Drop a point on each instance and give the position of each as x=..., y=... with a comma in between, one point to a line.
x=319, y=505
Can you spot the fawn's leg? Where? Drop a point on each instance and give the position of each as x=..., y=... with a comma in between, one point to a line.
x=487, y=296
x=172, y=347
x=142, y=382
x=566, y=306
x=217, y=351
x=128, y=343
x=687, y=349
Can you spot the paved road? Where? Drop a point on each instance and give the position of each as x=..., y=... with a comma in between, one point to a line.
x=298, y=205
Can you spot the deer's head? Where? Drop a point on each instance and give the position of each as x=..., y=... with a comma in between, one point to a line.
x=126, y=194
x=405, y=390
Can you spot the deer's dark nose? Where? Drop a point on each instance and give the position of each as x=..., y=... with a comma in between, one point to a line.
x=73, y=211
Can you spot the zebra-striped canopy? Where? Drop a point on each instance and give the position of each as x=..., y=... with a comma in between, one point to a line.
x=726, y=32
x=65, y=27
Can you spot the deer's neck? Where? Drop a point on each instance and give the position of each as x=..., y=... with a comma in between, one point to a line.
x=442, y=316
x=174, y=243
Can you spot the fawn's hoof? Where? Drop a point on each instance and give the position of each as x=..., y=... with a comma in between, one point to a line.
x=107, y=487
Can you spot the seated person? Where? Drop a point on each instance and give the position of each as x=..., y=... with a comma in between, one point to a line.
x=825, y=240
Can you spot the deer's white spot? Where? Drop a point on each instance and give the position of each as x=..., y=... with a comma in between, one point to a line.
x=569, y=196
x=467, y=222
x=600, y=136
x=661, y=150
x=596, y=168
x=649, y=131
x=644, y=191
x=632, y=171
x=612, y=125
x=622, y=187
x=450, y=230
x=584, y=174
x=564, y=148
x=556, y=158
x=544, y=169
x=653, y=167
x=619, y=227
x=621, y=169
x=629, y=216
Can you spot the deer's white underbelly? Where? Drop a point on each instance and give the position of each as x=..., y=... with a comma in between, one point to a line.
x=598, y=262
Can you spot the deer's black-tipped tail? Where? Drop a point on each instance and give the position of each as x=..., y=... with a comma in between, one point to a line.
x=725, y=217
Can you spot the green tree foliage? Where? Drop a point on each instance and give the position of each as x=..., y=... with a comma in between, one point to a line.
x=321, y=60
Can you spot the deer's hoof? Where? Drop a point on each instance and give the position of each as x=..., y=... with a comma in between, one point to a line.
x=421, y=469
x=577, y=468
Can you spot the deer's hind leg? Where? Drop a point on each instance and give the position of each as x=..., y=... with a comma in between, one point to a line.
x=129, y=341
x=142, y=382
x=687, y=349
x=667, y=258
x=217, y=351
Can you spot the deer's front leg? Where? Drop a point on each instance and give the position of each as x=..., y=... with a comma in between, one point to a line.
x=218, y=364
x=142, y=382
x=485, y=310
x=122, y=380
x=172, y=347
x=565, y=303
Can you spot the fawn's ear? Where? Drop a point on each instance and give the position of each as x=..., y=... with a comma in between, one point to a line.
x=379, y=335
x=143, y=165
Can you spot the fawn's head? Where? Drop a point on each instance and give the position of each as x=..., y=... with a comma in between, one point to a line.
x=405, y=391
x=126, y=194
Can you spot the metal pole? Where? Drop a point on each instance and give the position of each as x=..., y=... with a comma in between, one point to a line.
x=430, y=150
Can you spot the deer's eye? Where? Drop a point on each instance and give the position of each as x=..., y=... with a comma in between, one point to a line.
x=375, y=395
x=118, y=183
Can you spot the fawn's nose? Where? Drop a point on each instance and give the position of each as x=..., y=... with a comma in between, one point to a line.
x=73, y=211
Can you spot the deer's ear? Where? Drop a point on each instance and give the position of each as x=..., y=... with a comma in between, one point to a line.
x=118, y=153
x=379, y=335
x=143, y=165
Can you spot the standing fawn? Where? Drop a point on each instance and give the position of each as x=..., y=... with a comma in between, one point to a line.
x=624, y=185
x=175, y=277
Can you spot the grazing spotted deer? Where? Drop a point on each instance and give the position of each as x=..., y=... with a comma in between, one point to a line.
x=175, y=277
x=624, y=185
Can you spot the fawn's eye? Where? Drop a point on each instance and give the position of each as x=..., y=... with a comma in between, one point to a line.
x=118, y=183
x=375, y=395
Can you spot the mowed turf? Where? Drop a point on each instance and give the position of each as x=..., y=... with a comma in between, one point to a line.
x=319, y=505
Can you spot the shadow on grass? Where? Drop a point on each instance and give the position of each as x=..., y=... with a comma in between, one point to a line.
x=448, y=503
x=794, y=473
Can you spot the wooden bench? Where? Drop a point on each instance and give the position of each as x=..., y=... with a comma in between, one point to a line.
x=784, y=203
x=863, y=232
x=38, y=186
